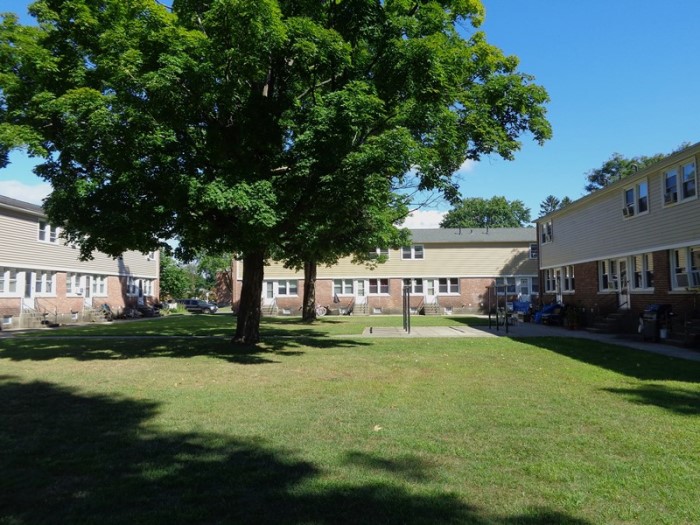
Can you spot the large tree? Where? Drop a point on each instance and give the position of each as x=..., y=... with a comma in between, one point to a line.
x=496, y=212
x=228, y=124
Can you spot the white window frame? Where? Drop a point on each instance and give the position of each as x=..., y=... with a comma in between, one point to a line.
x=547, y=234
x=48, y=233
x=132, y=286
x=448, y=286
x=633, y=201
x=99, y=286
x=380, y=285
x=551, y=284
x=670, y=192
x=506, y=286
x=44, y=283
x=568, y=279
x=286, y=288
x=684, y=181
x=8, y=282
x=534, y=251
x=379, y=252
x=642, y=272
x=417, y=285
x=413, y=252
x=608, y=280
x=685, y=268
x=343, y=287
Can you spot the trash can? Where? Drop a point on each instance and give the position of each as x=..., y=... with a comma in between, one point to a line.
x=655, y=318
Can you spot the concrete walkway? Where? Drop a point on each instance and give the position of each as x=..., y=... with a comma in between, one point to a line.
x=519, y=330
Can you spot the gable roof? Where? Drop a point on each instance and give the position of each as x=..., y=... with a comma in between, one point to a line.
x=474, y=235
x=14, y=204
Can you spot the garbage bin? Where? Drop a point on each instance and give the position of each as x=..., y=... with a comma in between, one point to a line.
x=654, y=318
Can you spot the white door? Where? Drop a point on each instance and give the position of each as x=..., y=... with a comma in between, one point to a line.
x=269, y=293
x=623, y=296
x=87, y=292
x=430, y=287
x=28, y=297
x=360, y=292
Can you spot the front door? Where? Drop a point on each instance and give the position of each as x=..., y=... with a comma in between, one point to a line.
x=28, y=297
x=87, y=292
x=430, y=295
x=360, y=292
x=623, y=297
x=269, y=293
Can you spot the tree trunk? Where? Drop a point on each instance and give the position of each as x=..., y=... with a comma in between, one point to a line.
x=248, y=322
x=309, y=309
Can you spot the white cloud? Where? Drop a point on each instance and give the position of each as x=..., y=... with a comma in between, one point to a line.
x=467, y=166
x=424, y=219
x=33, y=193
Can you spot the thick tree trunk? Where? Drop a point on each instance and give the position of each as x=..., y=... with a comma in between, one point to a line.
x=248, y=323
x=309, y=308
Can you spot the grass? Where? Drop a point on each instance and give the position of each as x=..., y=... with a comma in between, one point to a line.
x=312, y=429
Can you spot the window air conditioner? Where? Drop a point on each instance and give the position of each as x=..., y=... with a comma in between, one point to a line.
x=670, y=197
x=682, y=280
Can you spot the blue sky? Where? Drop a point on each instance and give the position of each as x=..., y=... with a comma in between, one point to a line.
x=622, y=76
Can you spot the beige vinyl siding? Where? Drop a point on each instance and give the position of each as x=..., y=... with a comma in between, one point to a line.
x=21, y=248
x=596, y=229
x=440, y=260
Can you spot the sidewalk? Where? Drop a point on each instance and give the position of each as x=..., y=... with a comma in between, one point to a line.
x=519, y=330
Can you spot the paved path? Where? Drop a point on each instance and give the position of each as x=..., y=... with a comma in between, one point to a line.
x=533, y=330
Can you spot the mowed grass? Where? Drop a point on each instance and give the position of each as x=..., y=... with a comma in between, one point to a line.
x=308, y=428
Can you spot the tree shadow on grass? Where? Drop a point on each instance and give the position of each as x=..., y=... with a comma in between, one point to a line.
x=681, y=401
x=116, y=348
x=71, y=457
x=622, y=360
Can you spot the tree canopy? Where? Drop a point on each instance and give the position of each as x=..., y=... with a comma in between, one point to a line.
x=496, y=212
x=552, y=203
x=256, y=128
x=618, y=167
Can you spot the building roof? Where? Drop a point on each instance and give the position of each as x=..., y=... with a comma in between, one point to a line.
x=7, y=202
x=625, y=181
x=474, y=235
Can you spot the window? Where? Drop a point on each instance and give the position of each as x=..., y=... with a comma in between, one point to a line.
x=448, y=285
x=415, y=285
x=44, y=282
x=685, y=266
x=151, y=256
x=642, y=197
x=568, y=280
x=286, y=287
x=534, y=250
x=98, y=285
x=48, y=233
x=378, y=286
x=547, y=232
x=550, y=281
x=535, y=287
x=642, y=271
x=379, y=252
x=505, y=285
x=343, y=287
x=132, y=286
x=628, y=210
x=671, y=186
x=8, y=281
x=636, y=200
x=688, y=180
x=607, y=272
x=147, y=287
x=412, y=252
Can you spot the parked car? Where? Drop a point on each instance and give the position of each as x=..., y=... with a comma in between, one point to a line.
x=198, y=306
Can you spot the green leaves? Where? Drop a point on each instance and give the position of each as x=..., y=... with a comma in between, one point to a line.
x=496, y=212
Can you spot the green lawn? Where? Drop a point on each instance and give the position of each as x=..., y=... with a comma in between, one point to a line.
x=311, y=429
